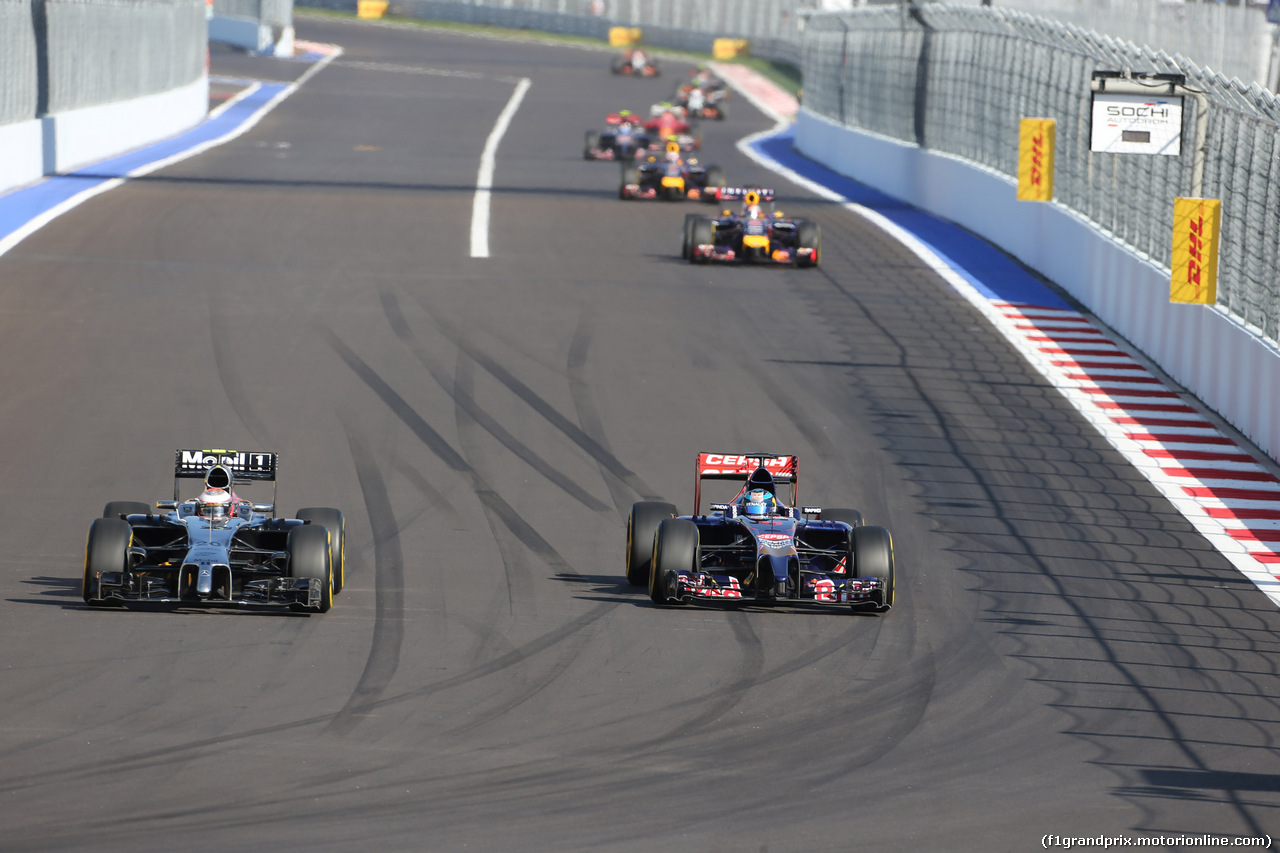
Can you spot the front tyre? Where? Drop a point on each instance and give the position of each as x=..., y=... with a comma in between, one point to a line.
x=107, y=550
x=332, y=521
x=675, y=549
x=308, y=549
x=642, y=524
x=873, y=558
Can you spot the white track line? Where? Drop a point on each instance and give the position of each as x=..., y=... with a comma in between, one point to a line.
x=484, y=180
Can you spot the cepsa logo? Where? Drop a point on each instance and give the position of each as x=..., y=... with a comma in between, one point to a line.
x=719, y=463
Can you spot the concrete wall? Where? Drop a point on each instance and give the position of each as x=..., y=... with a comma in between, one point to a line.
x=65, y=141
x=1228, y=367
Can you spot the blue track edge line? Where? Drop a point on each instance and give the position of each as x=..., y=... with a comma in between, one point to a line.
x=20, y=206
x=991, y=272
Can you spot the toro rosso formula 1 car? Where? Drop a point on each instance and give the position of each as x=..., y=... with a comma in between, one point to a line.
x=756, y=233
x=671, y=177
x=756, y=548
x=217, y=548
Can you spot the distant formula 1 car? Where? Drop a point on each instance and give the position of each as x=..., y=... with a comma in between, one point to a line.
x=669, y=122
x=755, y=233
x=623, y=139
x=672, y=178
x=636, y=62
x=755, y=548
x=216, y=548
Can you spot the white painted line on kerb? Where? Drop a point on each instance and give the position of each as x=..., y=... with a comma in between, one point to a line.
x=484, y=180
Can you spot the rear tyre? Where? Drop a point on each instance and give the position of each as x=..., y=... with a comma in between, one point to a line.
x=715, y=178
x=700, y=234
x=809, y=236
x=642, y=524
x=591, y=142
x=332, y=521
x=107, y=550
x=115, y=509
x=873, y=558
x=308, y=548
x=675, y=548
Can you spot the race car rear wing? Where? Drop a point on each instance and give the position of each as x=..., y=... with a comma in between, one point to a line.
x=740, y=193
x=739, y=467
x=224, y=468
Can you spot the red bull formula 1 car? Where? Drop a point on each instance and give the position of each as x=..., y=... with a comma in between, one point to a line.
x=756, y=547
x=671, y=177
x=216, y=548
x=755, y=233
x=624, y=138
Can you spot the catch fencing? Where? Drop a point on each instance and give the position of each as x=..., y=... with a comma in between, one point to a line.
x=276, y=14
x=61, y=55
x=18, y=81
x=958, y=79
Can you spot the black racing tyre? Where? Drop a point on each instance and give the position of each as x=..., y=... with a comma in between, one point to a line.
x=308, y=548
x=630, y=175
x=873, y=558
x=618, y=66
x=687, y=238
x=642, y=524
x=722, y=111
x=675, y=547
x=591, y=141
x=115, y=509
x=809, y=236
x=107, y=550
x=332, y=521
x=700, y=235
x=715, y=177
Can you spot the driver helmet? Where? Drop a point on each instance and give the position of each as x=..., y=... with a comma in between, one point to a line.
x=215, y=503
x=759, y=504
x=673, y=151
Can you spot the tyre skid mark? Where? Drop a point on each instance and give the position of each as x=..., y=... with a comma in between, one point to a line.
x=156, y=757
x=436, y=443
x=388, y=558
x=465, y=400
x=535, y=401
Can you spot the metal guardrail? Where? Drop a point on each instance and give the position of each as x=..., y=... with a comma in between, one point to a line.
x=958, y=79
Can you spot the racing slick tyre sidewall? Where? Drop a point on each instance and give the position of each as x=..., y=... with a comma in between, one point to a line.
x=809, y=235
x=642, y=524
x=873, y=558
x=630, y=175
x=308, y=547
x=700, y=234
x=675, y=547
x=686, y=246
x=332, y=520
x=106, y=550
x=589, y=143
x=715, y=178
x=115, y=509
x=722, y=111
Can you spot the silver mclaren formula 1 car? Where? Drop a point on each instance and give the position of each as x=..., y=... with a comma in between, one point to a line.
x=757, y=547
x=216, y=548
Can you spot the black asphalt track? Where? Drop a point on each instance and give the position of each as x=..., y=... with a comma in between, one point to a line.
x=1067, y=655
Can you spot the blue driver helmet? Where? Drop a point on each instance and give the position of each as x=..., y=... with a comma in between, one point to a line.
x=759, y=504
